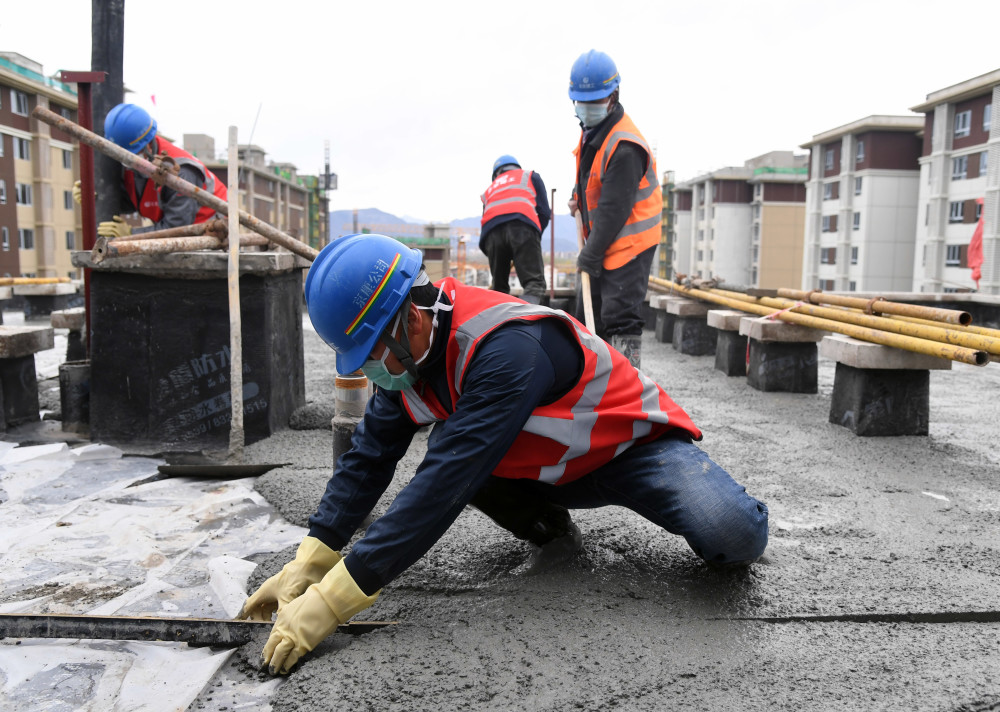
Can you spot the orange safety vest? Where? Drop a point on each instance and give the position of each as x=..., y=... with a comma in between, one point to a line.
x=642, y=228
x=511, y=192
x=149, y=204
x=612, y=406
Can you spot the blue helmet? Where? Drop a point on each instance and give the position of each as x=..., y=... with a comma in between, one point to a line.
x=129, y=126
x=355, y=286
x=504, y=160
x=593, y=76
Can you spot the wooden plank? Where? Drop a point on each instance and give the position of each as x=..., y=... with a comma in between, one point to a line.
x=193, y=631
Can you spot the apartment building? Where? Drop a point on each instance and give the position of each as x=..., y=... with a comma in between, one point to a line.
x=272, y=192
x=742, y=224
x=662, y=266
x=39, y=222
x=861, y=205
x=959, y=162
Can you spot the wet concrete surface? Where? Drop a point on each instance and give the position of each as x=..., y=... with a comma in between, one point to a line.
x=858, y=527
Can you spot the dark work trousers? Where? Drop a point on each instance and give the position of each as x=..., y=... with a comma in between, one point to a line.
x=521, y=243
x=670, y=481
x=618, y=296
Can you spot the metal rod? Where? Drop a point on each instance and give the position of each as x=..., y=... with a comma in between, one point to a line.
x=931, y=330
x=15, y=281
x=881, y=306
x=236, y=439
x=552, y=248
x=216, y=227
x=164, y=177
x=875, y=336
x=107, y=249
x=193, y=631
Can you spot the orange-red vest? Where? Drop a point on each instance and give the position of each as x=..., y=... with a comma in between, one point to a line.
x=612, y=406
x=642, y=228
x=511, y=192
x=149, y=204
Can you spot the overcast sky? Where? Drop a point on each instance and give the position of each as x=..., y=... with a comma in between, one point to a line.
x=417, y=99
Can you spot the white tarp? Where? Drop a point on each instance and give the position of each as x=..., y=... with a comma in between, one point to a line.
x=74, y=538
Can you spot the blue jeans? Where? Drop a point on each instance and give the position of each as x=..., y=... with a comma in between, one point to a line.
x=670, y=482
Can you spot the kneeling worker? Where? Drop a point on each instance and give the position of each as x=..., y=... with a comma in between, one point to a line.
x=533, y=415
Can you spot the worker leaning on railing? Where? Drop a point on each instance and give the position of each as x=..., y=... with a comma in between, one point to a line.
x=132, y=128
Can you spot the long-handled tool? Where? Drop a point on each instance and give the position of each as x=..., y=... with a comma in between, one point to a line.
x=193, y=631
x=588, y=303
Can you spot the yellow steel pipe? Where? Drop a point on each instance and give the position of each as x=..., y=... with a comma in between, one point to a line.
x=880, y=306
x=876, y=336
x=16, y=281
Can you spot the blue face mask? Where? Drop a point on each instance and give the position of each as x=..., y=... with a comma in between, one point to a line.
x=379, y=374
x=590, y=115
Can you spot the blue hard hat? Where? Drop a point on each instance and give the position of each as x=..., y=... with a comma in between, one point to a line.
x=504, y=160
x=355, y=286
x=129, y=126
x=594, y=76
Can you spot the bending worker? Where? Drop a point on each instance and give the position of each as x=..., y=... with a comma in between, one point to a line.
x=533, y=415
x=618, y=196
x=515, y=213
x=132, y=128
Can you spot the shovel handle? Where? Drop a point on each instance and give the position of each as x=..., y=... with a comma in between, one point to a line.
x=588, y=302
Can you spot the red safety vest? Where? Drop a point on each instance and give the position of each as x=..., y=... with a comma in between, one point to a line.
x=149, y=205
x=511, y=192
x=642, y=228
x=612, y=406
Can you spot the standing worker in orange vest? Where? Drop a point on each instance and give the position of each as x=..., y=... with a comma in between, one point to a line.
x=132, y=128
x=618, y=196
x=515, y=213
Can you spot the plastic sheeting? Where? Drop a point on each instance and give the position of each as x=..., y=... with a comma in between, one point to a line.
x=75, y=538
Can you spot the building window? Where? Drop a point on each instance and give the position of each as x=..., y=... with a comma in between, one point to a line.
x=963, y=120
x=828, y=256
x=959, y=167
x=983, y=162
x=5, y=237
x=953, y=255
x=22, y=149
x=852, y=286
x=828, y=191
x=2, y=142
x=756, y=210
x=857, y=186
x=701, y=255
x=987, y=115
x=3, y=192
x=979, y=210
x=756, y=232
x=25, y=238
x=854, y=255
x=19, y=102
x=826, y=285
x=857, y=221
x=68, y=199
x=859, y=156
x=757, y=190
x=955, y=211
x=829, y=159
x=826, y=223
x=23, y=194
x=67, y=159
x=70, y=240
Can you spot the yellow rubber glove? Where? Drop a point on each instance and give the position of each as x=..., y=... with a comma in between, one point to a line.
x=312, y=561
x=115, y=227
x=306, y=621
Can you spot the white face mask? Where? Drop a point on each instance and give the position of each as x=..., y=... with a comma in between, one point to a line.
x=590, y=114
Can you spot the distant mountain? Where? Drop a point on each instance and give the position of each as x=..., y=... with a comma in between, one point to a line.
x=379, y=221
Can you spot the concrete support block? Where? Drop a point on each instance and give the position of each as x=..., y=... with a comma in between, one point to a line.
x=20, y=390
x=731, y=353
x=76, y=321
x=693, y=336
x=864, y=354
x=18, y=341
x=783, y=366
x=725, y=319
x=764, y=329
x=881, y=402
x=74, y=396
x=665, y=327
x=687, y=308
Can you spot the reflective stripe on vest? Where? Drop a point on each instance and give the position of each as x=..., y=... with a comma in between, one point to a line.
x=609, y=409
x=512, y=192
x=148, y=204
x=642, y=228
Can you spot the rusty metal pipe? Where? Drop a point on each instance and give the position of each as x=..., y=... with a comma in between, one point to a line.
x=215, y=226
x=163, y=177
x=109, y=249
x=876, y=336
